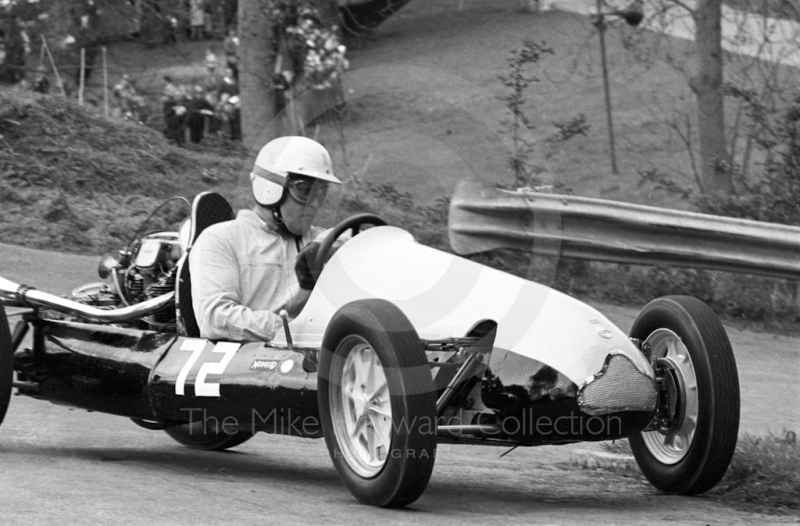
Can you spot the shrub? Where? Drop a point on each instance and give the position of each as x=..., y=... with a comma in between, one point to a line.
x=774, y=196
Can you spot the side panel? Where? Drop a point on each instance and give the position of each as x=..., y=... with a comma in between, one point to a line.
x=95, y=367
x=247, y=386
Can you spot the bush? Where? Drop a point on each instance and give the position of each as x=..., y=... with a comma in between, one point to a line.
x=775, y=195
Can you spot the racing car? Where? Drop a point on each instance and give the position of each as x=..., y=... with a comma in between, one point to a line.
x=399, y=347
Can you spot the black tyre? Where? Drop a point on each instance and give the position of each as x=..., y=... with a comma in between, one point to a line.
x=195, y=437
x=6, y=363
x=698, y=417
x=377, y=403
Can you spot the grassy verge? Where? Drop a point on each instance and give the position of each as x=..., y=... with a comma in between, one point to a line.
x=763, y=475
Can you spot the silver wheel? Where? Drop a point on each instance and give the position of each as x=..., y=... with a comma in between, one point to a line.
x=361, y=409
x=374, y=375
x=671, y=442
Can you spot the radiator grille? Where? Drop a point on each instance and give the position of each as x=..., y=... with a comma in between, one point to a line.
x=618, y=387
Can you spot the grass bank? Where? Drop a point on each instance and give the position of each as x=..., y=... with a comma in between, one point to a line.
x=75, y=181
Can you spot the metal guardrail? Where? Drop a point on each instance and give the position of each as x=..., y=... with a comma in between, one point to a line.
x=484, y=218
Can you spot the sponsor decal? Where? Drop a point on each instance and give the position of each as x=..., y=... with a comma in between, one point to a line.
x=287, y=366
x=264, y=365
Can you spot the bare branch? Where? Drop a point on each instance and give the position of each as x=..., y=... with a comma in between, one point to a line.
x=682, y=4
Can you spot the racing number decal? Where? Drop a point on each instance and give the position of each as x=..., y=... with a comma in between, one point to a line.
x=201, y=388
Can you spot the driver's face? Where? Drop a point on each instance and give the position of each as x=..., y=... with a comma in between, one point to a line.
x=297, y=216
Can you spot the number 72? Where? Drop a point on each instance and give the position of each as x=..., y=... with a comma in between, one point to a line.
x=196, y=347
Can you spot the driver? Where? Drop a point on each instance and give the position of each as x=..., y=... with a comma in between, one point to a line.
x=247, y=270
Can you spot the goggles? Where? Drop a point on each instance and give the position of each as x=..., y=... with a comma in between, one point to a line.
x=305, y=189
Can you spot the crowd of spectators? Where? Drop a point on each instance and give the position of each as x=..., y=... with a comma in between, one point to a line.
x=209, y=18
x=193, y=111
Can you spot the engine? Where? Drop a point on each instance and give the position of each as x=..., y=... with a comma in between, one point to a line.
x=154, y=273
x=149, y=269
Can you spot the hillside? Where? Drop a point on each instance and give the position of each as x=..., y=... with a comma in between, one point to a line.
x=74, y=181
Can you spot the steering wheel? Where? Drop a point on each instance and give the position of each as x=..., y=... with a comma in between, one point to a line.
x=353, y=222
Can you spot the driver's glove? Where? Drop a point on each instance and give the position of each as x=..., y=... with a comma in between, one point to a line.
x=307, y=267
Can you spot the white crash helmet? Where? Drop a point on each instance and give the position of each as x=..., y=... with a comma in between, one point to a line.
x=288, y=155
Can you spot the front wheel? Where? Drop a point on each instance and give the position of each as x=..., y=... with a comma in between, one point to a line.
x=377, y=403
x=694, y=434
x=198, y=436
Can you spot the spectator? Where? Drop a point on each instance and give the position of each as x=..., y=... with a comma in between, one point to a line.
x=12, y=50
x=174, y=108
x=171, y=91
x=198, y=108
x=229, y=113
x=213, y=116
x=219, y=19
x=211, y=62
x=208, y=19
x=231, y=47
x=42, y=83
x=86, y=20
x=228, y=84
x=235, y=109
x=196, y=19
x=170, y=30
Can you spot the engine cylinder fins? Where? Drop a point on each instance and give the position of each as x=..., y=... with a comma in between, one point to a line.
x=160, y=289
x=618, y=387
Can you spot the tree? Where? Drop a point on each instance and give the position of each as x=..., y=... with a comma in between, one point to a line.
x=257, y=52
x=707, y=84
x=724, y=70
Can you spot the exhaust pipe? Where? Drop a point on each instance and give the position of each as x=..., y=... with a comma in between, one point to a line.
x=30, y=297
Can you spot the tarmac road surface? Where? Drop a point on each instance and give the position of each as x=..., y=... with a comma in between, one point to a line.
x=68, y=466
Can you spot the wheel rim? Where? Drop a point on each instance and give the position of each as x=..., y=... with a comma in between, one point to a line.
x=361, y=409
x=671, y=443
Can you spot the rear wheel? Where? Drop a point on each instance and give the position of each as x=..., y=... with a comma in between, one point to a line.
x=697, y=422
x=377, y=404
x=199, y=436
x=6, y=363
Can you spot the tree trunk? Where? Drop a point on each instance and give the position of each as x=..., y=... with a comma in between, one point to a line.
x=708, y=88
x=256, y=67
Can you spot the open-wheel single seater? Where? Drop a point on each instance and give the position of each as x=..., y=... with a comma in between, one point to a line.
x=399, y=347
